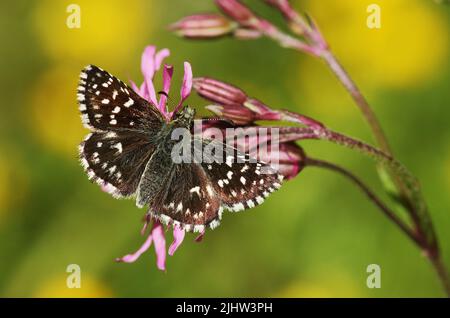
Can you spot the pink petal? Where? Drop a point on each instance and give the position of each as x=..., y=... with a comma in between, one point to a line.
x=160, y=245
x=148, y=69
x=130, y=258
x=187, y=82
x=141, y=91
x=159, y=58
x=148, y=62
x=178, y=237
x=144, y=92
x=167, y=78
x=146, y=223
x=151, y=91
x=186, y=87
x=135, y=87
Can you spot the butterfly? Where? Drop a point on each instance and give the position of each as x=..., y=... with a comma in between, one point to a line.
x=129, y=153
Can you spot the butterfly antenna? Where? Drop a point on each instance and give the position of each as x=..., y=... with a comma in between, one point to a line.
x=170, y=103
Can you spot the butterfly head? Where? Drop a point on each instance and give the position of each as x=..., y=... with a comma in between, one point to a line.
x=185, y=117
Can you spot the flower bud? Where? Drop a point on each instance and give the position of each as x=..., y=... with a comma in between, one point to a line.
x=238, y=12
x=288, y=160
x=219, y=92
x=203, y=26
x=239, y=115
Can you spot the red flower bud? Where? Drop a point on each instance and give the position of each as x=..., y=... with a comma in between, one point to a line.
x=238, y=12
x=288, y=160
x=219, y=92
x=203, y=26
x=237, y=114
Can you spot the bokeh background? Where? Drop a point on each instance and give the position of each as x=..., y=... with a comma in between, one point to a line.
x=315, y=237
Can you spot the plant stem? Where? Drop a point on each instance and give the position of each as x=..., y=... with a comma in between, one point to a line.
x=370, y=194
x=321, y=49
x=416, y=237
x=406, y=184
x=438, y=265
x=358, y=98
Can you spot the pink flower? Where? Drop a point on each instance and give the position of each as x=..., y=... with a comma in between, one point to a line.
x=158, y=238
x=231, y=103
x=151, y=63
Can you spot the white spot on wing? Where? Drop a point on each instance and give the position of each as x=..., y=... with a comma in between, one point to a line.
x=214, y=224
x=112, y=169
x=196, y=190
x=199, y=228
x=229, y=161
x=209, y=189
x=118, y=146
x=259, y=200
x=111, y=134
x=129, y=103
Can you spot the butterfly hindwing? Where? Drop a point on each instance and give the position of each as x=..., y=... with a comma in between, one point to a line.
x=115, y=161
x=240, y=181
x=196, y=193
x=188, y=199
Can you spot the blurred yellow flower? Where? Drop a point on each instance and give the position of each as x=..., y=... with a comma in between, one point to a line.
x=408, y=50
x=54, y=115
x=332, y=285
x=13, y=176
x=109, y=30
x=90, y=288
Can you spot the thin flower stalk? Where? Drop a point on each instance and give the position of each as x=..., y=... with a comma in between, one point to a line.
x=307, y=38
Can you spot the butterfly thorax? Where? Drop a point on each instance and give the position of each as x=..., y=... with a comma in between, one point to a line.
x=167, y=137
x=184, y=118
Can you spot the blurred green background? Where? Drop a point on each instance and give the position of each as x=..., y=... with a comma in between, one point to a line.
x=315, y=237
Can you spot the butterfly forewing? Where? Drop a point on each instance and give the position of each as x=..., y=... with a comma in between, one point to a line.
x=123, y=123
x=106, y=103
